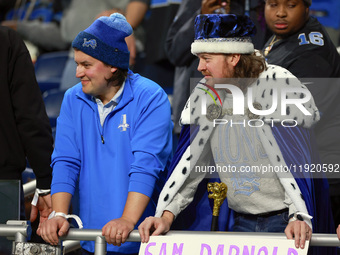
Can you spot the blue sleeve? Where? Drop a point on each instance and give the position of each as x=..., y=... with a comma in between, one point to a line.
x=151, y=141
x=66, y=154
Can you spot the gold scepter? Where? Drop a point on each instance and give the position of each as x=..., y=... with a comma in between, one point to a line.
x=218, y=192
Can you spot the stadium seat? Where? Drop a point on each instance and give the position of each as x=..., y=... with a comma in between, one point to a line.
x=49, y=69
x=31, y=10
x=327, y=12
x=53, y=100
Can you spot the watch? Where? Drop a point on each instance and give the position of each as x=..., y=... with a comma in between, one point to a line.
x=295, y=216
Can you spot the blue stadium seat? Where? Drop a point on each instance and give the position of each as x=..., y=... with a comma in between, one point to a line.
x=43, y=14
x=327, y=12
x=49, y=69
x=31, y=10
x=53, y=100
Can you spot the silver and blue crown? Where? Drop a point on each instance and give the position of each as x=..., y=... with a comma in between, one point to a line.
x=223, y=33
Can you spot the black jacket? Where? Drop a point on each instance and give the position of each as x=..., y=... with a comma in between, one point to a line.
x=24, y=126
x=311, y=56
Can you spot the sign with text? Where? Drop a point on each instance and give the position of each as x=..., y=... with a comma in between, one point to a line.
x=183, y=244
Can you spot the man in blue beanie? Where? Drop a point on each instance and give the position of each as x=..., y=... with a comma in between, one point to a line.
x=113, y=135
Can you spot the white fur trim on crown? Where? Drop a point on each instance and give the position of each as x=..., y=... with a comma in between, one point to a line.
x=221, y=47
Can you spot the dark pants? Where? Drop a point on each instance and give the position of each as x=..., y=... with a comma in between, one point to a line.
x=271, y=222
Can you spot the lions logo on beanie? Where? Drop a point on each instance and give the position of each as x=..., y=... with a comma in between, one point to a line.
x=104, y=40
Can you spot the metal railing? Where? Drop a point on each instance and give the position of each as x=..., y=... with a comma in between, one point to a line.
x=71, y=240
x=16, y=230
x=19, y=231
x=29, y=189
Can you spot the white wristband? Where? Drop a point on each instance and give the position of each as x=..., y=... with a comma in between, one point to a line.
x=66, y=216
x=39, y=192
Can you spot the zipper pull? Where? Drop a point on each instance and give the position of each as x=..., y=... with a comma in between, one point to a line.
x=102, y=139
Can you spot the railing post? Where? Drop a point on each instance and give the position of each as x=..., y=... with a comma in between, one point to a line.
x=100, y=246
x=17, y=230
x=19, y=237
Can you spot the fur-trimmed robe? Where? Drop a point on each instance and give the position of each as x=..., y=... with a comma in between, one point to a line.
x=277, y=142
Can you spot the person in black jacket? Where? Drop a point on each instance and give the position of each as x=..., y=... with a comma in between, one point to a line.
x=301, y=45
x=25, y=131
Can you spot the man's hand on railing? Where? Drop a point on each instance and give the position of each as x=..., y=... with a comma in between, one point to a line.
x=117, y=231
x=300, y=231
x=155, y=225
x=51, y=229
x=338, y=231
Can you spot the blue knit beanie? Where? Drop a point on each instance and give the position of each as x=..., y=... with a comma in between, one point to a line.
x=104, y=40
